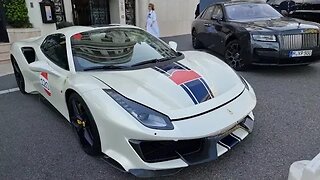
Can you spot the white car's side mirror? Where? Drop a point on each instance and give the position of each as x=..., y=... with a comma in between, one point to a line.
x=42, y=66
x=173, y=45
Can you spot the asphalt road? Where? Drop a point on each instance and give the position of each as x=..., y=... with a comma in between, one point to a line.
x=37, y=143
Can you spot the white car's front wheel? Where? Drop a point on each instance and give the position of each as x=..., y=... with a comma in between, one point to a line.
x=84, y=124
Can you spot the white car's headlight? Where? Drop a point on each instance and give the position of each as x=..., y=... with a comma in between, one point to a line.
x=145, y=115
x=268, y=38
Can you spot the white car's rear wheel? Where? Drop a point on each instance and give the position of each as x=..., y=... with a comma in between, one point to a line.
x=18, y=75
x=84, y=124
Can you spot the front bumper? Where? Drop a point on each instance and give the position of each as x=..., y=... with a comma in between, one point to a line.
x=270, y=53
x=117, y=132
x=192, y=152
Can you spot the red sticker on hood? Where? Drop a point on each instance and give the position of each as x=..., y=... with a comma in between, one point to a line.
x=183, y=76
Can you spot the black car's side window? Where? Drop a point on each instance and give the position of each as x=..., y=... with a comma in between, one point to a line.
x=208, y=14
x=217, y=12
x=54, y=48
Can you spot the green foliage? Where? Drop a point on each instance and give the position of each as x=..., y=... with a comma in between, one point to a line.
x=17, y=13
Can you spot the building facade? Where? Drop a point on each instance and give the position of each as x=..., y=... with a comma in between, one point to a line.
x=174, y=16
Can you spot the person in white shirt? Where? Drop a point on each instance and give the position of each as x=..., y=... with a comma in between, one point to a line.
x=152, y=24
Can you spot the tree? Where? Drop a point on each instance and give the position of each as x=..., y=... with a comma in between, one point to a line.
x=17, y=13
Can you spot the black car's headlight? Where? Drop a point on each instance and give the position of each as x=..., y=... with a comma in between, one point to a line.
x=268, y=38
x=145, y=115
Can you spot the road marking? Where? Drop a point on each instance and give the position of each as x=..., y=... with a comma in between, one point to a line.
x=7, y=91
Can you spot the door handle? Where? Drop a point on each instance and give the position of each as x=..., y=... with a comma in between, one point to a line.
x=207, y=24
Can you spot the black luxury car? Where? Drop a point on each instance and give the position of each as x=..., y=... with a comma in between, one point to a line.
x=255, y=33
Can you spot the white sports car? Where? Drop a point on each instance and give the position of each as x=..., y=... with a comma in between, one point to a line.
x=133, y=99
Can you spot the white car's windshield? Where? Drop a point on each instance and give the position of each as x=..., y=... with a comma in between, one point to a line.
x=251, y=11
x=115, y=48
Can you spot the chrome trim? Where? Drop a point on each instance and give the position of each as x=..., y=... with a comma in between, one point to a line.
x=299, y=41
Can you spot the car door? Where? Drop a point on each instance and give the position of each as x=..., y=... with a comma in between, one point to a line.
x=214, y=28
x=203, y=26
x=217, y=26
x=52, y=78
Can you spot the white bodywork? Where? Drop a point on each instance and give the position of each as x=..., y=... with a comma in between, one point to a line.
x=233, y=102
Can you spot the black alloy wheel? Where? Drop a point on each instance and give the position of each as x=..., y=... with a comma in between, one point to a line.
x=233, y=57
x=18, y=75
x=195, y=41
x=84, y=125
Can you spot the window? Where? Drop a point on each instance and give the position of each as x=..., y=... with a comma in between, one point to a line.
x=117, y=47
x=208, y=13
x=217, y=12
x=54, y=48
x=251, y=11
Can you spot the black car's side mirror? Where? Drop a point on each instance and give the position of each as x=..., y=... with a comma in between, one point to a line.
x=217, y=18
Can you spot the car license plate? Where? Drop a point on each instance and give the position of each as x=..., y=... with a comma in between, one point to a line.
x=300, y=53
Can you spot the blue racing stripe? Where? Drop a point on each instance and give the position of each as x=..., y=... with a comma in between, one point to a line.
x=204, y=82
x=196, y=87
x=190, y=94
x=199, y=90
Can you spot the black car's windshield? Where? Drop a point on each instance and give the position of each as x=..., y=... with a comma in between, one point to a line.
x=251, y=11
x=117, y=48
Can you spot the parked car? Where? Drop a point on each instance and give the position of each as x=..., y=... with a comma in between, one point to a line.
x=304, y=9
x=136, y=101
x=255, y=33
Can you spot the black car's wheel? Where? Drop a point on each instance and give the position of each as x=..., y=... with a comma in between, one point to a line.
x=195, y=41
x=18, y=75
x=84, y=124
x=233, y=57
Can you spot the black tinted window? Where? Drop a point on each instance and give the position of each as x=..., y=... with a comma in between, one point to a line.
x=251, y=11
x=208, y=13
x=125, y=47
x=217, y=12
x=54, y=47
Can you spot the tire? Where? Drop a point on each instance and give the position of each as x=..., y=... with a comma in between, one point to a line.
x=233, y=57
x=82, y=121
x=18, y=76
x=195, y=41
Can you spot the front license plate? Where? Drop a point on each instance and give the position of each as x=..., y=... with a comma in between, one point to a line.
x=300, y=53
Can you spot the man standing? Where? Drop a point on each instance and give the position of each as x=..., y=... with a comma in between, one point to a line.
x=3, y=30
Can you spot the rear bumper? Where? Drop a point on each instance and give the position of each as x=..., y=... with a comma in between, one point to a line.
x=270, y=53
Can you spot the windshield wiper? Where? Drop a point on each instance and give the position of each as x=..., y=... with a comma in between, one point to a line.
x=152, y=61
x=104, y=68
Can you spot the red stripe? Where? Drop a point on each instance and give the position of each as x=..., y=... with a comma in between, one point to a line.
x=45, y=75
x=49, y=93
x=183, y=76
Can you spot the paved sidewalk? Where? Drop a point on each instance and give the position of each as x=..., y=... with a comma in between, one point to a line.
x=5, y=68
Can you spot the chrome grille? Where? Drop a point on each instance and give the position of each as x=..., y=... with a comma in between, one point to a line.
x=299, y=41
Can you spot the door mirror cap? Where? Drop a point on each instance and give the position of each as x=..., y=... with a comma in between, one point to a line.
x=173, y=45
x=42, y=66
x=217, y=18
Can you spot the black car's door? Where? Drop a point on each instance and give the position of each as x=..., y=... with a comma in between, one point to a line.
x=204, y=26
x=213, y=29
